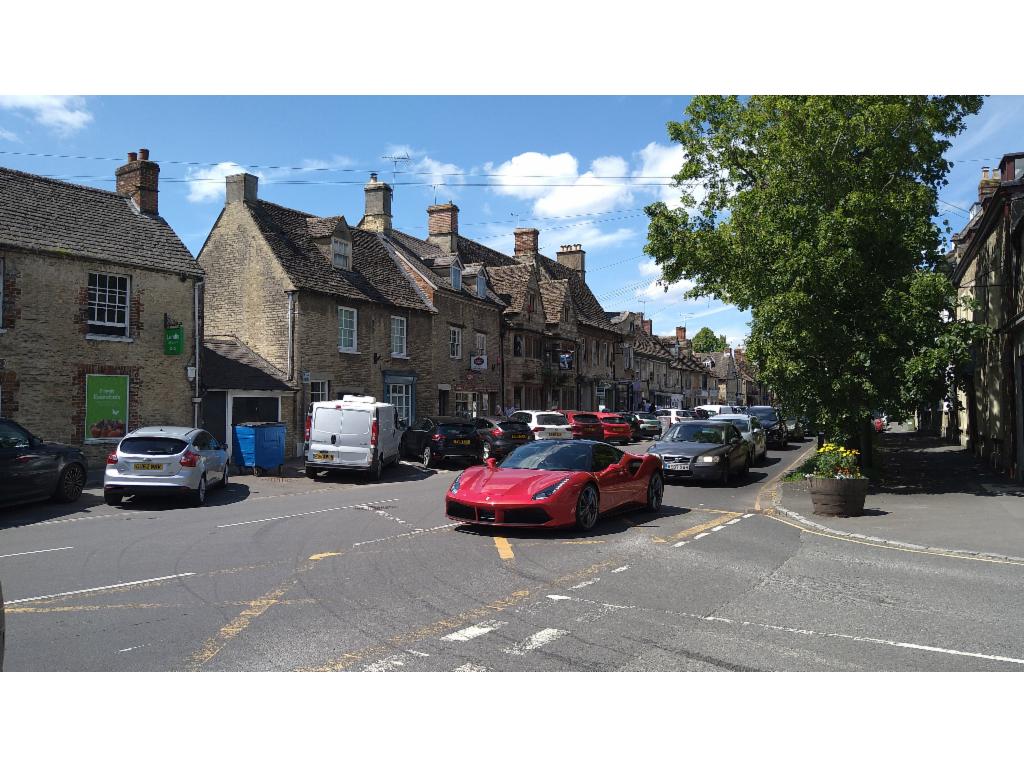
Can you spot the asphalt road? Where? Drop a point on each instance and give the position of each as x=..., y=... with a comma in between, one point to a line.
x=346, y=575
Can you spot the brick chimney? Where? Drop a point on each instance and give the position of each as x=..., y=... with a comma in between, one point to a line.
x=443, y=226
x=574, y=257
x=648, y=326
x=526, y=243
x=241, y=188
x=681, y=333
x=139, y=179
x=377, y=212
x=988, y=184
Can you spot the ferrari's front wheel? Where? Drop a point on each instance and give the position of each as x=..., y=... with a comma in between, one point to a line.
x=655, y=493
x=586, y=508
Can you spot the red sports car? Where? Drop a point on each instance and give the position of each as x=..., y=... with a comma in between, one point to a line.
x=555, y=483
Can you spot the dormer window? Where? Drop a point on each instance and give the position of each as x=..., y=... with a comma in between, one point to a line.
x=456, y=273
x=481, y=286
x=341, y=253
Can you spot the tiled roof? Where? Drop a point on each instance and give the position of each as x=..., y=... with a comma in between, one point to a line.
x=472, y=251
x=588, y=308
x=645, y=344
x=230, y=364
x=511, y=283
x=429, y=256
x=374, y=276
x=43, y=214
x=553, y=294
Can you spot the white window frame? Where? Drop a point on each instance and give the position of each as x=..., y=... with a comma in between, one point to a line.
x=481, y=286
x=126, y=336
x=402, y=352
x=400, y=396
x=480, y=343
x=341, y=249
x=314, y=385
x=454, y=343
x=456, y=276
x=342, y=347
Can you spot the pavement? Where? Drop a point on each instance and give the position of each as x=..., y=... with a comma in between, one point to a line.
x=930, y=495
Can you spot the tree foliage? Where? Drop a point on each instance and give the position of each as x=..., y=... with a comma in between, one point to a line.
x=815, y=212
x=705, y=340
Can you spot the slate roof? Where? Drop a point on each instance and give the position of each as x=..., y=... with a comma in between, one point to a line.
x=374, y=277
x=430, y=256
x=553, y=295
x=511, y=283
x=588, y=309
x=41, y=214
x=645, y=344
x=472, y=251
x=230, y=364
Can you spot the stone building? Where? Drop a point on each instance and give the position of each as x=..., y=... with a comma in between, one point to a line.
x=99, y=305
x=328, y=305
x=646, y=371
x=987, y=411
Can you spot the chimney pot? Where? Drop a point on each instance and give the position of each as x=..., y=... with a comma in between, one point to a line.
x=133, y=157
x=574, y=257
x=143, y=154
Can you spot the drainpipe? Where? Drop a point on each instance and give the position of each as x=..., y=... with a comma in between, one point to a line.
x=196, y=287
x=501, y=346
x=291, y=334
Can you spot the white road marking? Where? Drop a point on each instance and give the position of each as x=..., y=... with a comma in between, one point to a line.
x=535, y=641
x=386, y=664
x=97, y=589
x=559, y=597
x=36, y=552
x=470, y=668
x=474, y=631
x=620, y=569
x=701, y=535
x=134, y=648
x=732, y=522
x=680, y=544
x=417, y=653
x=718, y=528
x=304, y=514
x=417, y=532
x=749, y=514
x=585, y=584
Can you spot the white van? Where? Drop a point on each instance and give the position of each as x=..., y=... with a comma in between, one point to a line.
x=716, y=410
x=355, y=432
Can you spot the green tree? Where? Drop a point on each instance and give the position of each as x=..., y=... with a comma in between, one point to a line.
x=705, y=340
x=816, y=213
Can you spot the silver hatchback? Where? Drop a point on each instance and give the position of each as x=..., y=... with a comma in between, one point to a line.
x=160, y=461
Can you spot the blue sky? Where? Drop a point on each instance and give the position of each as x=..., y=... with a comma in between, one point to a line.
x=580, y=169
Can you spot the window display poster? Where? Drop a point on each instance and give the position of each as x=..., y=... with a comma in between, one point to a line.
x=106, y=407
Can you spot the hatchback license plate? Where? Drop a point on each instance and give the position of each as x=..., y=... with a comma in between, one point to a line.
x=461, y=442
x=148, y=466
x=321, y=456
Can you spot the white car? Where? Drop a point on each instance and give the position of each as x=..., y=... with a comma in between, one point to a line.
x=356, y=432
x=545, y=425
x=751, y=430
x=158, y=461
x=671, y=416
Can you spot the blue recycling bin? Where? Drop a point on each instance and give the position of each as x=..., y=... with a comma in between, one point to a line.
x=259, y=445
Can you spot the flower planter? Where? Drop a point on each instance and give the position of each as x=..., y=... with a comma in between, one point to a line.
x=843, y=498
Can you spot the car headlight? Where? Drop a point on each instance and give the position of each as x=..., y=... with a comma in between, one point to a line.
x=455, y=485
x=547, y=492
x=709, y=459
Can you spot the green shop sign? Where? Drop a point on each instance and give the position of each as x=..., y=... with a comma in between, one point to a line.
x=174, y=340
x=106, y=407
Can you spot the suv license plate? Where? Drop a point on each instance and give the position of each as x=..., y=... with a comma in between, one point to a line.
x=321, y=456
x=461, y=442
x=148, y=466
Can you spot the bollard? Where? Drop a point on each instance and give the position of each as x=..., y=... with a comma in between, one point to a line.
x=821, y=439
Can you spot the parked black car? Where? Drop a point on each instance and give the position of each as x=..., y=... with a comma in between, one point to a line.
x=642, y=424
x=499, y=437
x=797, y=428
x=34, y=470
x=437, y=438
x=776, y=432
x=703, y=450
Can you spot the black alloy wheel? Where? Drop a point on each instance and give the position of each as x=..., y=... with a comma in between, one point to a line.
x=199, y=494
x=655, y=493
x=428, y=456
x=70, y=483
x=377, y=470
x=587, y=508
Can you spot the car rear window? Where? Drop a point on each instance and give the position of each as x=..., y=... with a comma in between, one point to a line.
x=613, y=420
x=152, y=446
x=552, y=419
x=585, y=418
x=354, y=422
x=516, y=427
x=450, y=430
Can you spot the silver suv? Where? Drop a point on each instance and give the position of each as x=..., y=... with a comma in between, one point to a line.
x=163, y=461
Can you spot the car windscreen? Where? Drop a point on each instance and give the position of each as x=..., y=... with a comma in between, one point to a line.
x=585, y=418
x=452, y=430
x=549, y=455
x=552, y=419
x=152, y=446
x=695, y=433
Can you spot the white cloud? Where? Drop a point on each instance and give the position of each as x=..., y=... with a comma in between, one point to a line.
x=656, y=290
x=525, y=175
x=588, y=235
x=63, y=114
x=648, y=268
x=421, y=167
x=658, y=160
x=8, y=135
x=206, y=184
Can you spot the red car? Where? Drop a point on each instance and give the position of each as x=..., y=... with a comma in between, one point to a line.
x=555, y=484
x=584, y=425
x=615, y=428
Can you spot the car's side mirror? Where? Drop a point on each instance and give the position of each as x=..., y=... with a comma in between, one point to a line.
x=492, y=463
x=35, y=442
